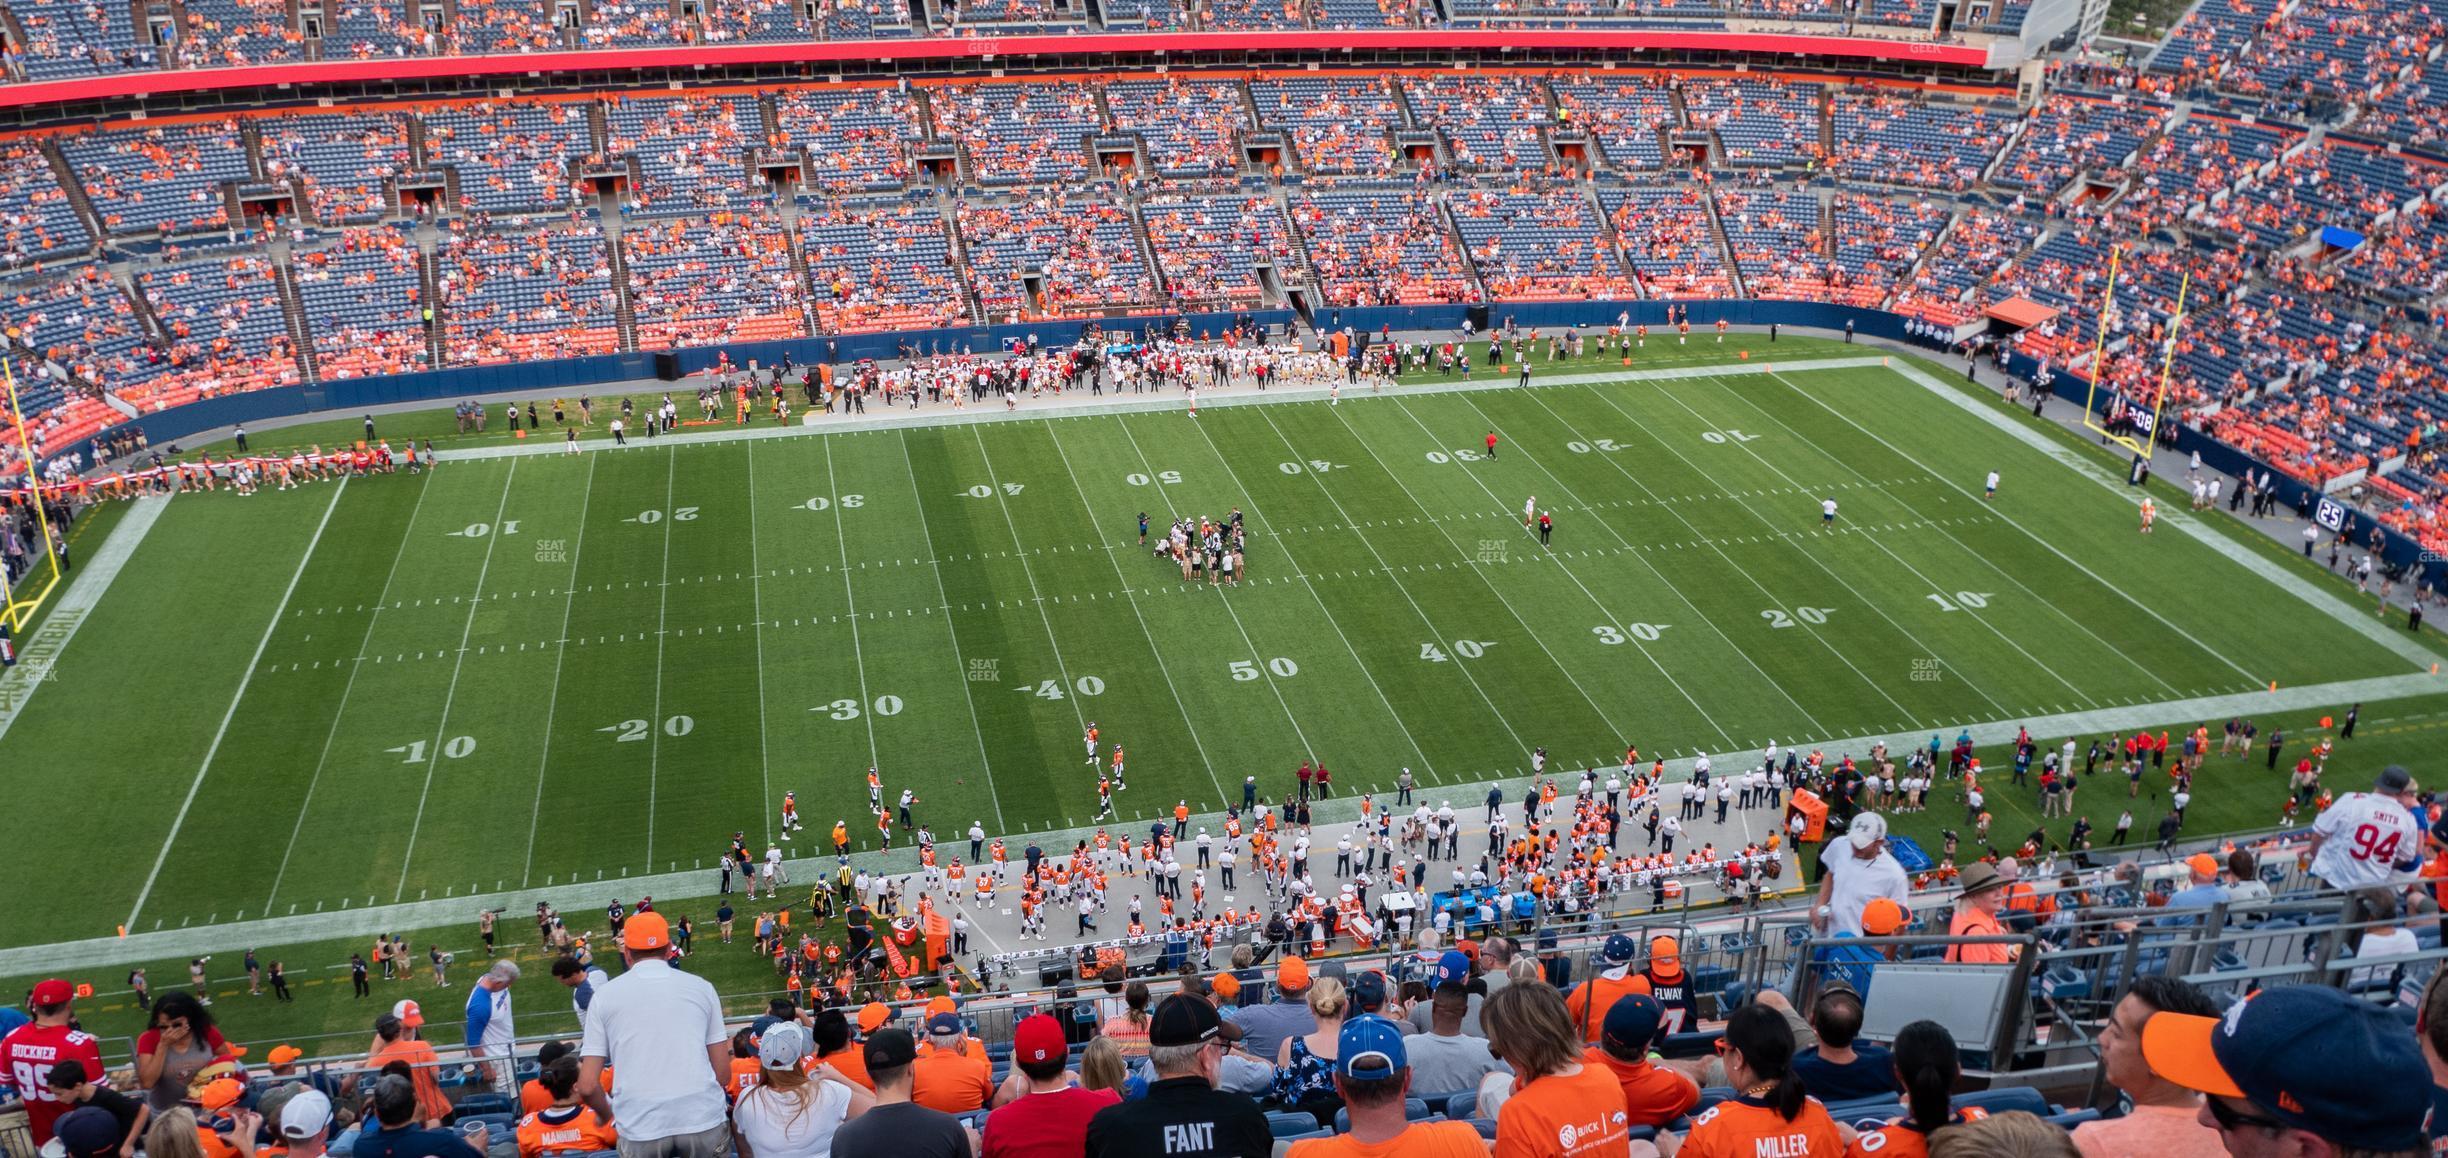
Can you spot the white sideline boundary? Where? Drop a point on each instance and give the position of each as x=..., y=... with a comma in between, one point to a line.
x=248, y=677
x=363, y=922
x=38, y=653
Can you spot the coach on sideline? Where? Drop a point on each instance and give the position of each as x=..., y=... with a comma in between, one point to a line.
x=663, y=1030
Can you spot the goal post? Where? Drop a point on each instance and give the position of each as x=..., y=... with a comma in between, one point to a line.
x=19, y=600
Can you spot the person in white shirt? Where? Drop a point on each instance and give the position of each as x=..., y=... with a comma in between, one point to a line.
x=791, y=1112
x=1857, y=872
x=663, y=1030
x=2363, y=837
x=1990, y=487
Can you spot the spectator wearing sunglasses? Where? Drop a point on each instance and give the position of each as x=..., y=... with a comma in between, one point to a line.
x=2299, y=1070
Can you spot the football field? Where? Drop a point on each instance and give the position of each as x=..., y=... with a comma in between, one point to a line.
x=528, y=670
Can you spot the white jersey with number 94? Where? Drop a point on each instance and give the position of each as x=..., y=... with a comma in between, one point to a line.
x=2364, y=836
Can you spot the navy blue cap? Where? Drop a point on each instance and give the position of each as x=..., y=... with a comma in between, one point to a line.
x=1632, y=1025
x=2308, y=1056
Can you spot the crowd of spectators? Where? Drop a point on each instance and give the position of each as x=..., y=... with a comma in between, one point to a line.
x=514, y=297
x=725, y=277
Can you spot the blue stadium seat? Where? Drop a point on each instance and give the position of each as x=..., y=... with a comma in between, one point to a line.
x=1288, y=1124
x=2005, y=1099
x=2073, y=1118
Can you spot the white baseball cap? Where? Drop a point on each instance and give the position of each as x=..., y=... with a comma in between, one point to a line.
x=1867, y=829
x=307, y=1113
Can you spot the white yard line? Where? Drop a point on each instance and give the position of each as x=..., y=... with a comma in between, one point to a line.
x=767, y=805
x=1433, y=631
x=2321, y=600
x=1249, y=497
x=654, y=734
x=2070, y=458
x=2037, y=600
x=552, y=702
x=960, y=659
x=136, y=910
x=1917, y=573
x=1701, y=617
x=347, y=687
x=38, y=654
x=1745, y=572
x=1619, y=623
x=450, y=694
x=858, y=654
x=1020, y=552
x=1131, y=596
x=95, y=952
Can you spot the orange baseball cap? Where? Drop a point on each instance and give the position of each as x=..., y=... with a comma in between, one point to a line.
x=1665, y=954
x=1882, y=917
x=2203, y=864
x=220, y=1094
x=645, y=932
x=409, y=1014
x=1292, y=973
x=872, y=1015
x=283, y=1054
x=942, y=1005
x=1226, y=986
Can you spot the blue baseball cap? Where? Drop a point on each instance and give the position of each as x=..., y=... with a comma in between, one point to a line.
x=1619, y=950
x=1370, y=1049
x=1454, y=966
x=2311, y=1057
x=1632, y=1024
x=1368, y=991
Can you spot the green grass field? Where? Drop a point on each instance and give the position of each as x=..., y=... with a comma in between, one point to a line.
x=549, y=670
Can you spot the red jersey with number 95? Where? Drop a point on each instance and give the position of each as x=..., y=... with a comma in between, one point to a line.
x=2364, y=836
x=28, y=1055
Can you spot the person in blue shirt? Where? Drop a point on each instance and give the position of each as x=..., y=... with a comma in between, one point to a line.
x=397, y=1134
x=1837, y=1070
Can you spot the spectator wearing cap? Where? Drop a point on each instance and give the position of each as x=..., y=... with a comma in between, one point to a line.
x=945, y=1077
x=1614, y=981
x=397, y=1038
x=1265, y=1027
x=969, y=1044
x=179, y=1040
x=2202, y=890
x=30, y=1050
x=2362, y=837
x=2164, y=1121
x=792, y=1112
x=566, y=1125
x=306, y=1123
x=1836, y=1069
x=1976, y=910
x=2298, y=1070
x=1453, y=967
x=1559, y=1107
x=73, y=1088
x=898, y=1127
x=1183, y=1114
x=829, y=1031
x=1372, y=1076
x=1653, y=1094
x=1861, y=871
x=1853, y=965
x=1048, y=1117
x=1238, y=1071
x=398, y=1132
x=88, y=1132
x=663, y=1031
x=1671, y=985
x=1444, y=1059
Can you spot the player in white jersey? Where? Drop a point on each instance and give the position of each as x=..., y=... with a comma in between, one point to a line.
x=2368, y=838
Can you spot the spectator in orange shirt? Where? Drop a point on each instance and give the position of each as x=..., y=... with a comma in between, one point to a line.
x=1653, y=1094
x=396, y=1040
x=1773, y=1115
x=1372, y=1075
x=1559, y=1107
x=1592, y=999
x=1976, y=910
x=567, y=1126
x=948, y=1079
x=532, y=1095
